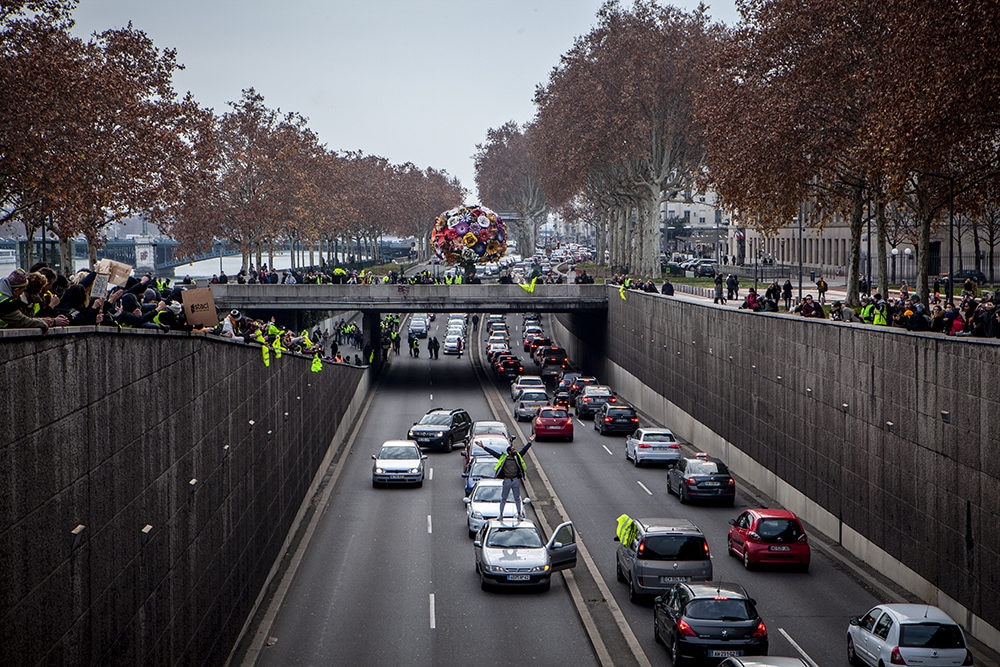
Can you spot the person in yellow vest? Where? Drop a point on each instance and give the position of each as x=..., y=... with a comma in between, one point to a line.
x=511, y=469
x=625, y=530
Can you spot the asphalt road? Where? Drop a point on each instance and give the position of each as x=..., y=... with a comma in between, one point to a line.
x=388, y=577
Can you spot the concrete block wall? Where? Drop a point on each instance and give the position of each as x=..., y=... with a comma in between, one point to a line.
x=121, y=432
x=802, y=410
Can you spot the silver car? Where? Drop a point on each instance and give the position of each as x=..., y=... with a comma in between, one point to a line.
x=514, y=553
x=659, y=553
x=453, y=344
x=652, y=444
x=483, y=504
x=398, y=462
x=528, y=402
x=906, y=634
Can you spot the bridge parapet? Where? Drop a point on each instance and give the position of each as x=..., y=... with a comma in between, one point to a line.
x=413, y=298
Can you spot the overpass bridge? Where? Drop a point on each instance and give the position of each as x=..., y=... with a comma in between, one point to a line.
x=484, y=298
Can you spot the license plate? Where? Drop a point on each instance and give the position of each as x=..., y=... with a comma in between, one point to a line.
x=518, y=577
x=553, y=426
x=673, y=580
x=780, y=548
x=724, y=654
x=710, y=484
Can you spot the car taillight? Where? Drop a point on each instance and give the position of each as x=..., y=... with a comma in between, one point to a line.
x=730, y=482
x=607, y=419
x=708, y=554
x=643, y=445
x=802, y=538
x=635, y=419
x=586, y=400
x=691, y=481
x=685, y=630
x=612, y=399
x=760, y=630
x=674, y=445
x=896, y=658
x=753, y=537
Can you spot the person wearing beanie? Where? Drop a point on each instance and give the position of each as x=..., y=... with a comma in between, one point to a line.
x=14, y=304
x=131, y=314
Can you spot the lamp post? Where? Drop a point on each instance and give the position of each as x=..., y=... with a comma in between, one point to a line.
x=800, y=216
x=895, y=251
x=950, y=290
x=908, y=255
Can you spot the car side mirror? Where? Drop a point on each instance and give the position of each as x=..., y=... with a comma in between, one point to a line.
x=374, y=457
x=526, y=501
x=855, y=621
x=423, y=456
x=557, y=545
x=465, y=474
x=732, y=522
x=616, y=539
x=477, y=543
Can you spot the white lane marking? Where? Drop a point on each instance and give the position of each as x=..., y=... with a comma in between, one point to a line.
x=643, y=487
x=429, y=530
x=805, y=656
x=607, y=450
x=433, y=621
x=430, y=474
x=432, y=397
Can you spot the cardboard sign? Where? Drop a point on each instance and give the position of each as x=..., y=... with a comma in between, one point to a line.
x=199, y=307
x=118, y=271
x=99, y=288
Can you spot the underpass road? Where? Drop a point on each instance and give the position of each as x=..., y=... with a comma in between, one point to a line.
x=389, y=576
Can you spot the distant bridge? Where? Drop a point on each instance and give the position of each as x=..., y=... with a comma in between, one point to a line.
x=486, y=298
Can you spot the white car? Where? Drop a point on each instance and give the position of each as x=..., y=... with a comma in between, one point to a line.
x=398, y=462
x=453, y=344
x=526, y=382
x=652, y=444
x=906, y=634
x=528, y=402
x=485, y=427
x=483, y=504
x=510, y=553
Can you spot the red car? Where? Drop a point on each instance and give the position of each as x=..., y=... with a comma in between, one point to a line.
x=552, y=422
x=769, y=537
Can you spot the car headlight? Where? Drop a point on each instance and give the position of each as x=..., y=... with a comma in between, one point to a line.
x=414, y=470
x=540, y=568
x=379, y=470
x=477, y=515
x=438, y=434
x=409, y=435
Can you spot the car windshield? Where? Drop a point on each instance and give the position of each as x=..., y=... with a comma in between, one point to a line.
x=489, y=427
x=487, y=494
x=674, y=547
x=778, y=530
x=930, y=635
x=520, y=537
x=696, y=467
x=720, y=609
x=658, y=437
x=436, y=419
x=483, y=468
x=553, y=414
x=399, y=452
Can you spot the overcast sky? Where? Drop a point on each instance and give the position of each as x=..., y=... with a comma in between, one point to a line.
x=409, y=80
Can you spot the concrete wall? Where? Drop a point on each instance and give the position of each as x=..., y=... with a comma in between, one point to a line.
x=113, y=432
x=802, y=410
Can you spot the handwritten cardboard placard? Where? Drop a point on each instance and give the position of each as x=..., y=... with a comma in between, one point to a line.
x=199, y=307
x=118, y=271
x=99, y=288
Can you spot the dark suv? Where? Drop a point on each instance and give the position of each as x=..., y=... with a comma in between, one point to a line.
x=616, y=418
x=701, y=477
x=441, y=429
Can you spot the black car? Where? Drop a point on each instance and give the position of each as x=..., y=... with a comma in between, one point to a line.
x=708, y=622
x=701, y=477
x=441, y=429
x=616, y=418
x=592, y=398
x=960, y=277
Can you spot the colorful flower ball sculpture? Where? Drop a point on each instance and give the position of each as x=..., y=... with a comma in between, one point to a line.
x=469, y=235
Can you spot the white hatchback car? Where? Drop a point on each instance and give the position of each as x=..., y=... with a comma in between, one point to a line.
x=906, y=634
x=483, y=504
x=652, y=444
x=526, y=382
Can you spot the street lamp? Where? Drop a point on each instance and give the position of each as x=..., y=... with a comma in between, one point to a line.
x=895, y=251
x=908, y=252
x=800, y=216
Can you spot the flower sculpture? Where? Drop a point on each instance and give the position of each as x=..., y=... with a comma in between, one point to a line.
x=469, y=235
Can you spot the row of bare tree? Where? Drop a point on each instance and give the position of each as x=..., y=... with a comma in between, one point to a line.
x=92, y=131
x=863, y=110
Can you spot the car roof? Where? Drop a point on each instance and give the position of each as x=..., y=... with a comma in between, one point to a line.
x=511, y=522
x=394, y=443
x=709, y=589
x=490, y=481
x=768, y=661
x=668, y=525
x=769, y=513
x=917, y=613
x=701, y=456
x=656, y=431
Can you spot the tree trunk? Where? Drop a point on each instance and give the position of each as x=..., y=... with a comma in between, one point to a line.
x=883, y=262
x=853, y=268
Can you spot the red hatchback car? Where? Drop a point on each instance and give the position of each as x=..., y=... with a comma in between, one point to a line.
x=769, y=537
x=552, y=422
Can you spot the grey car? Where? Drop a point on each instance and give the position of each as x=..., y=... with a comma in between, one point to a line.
x=647, y=445
x=528, y=402
x=659, y=553
x=514, y=553
x=398, y=462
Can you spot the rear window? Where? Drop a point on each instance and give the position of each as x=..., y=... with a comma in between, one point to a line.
x=728, y=609
x=553, y=414
x=621, y=412
x=778, y=530
x=658, y=437
x=534, y=396
x=674, y=547
x=930, y=635
x=706, y=468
